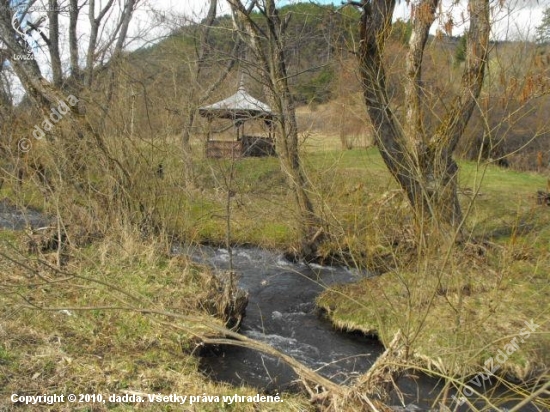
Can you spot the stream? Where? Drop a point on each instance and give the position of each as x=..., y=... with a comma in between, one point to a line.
x=15, y=219
x=282, y=312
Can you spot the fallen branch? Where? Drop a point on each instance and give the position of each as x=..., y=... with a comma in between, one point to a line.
x=236, y=339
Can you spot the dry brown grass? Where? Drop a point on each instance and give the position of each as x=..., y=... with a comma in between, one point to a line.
x=339, y=124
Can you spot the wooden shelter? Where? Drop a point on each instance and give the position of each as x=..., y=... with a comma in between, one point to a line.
x=240, y=108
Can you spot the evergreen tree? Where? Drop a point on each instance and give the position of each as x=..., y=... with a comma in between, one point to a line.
x=543, y=30
x=460, y=52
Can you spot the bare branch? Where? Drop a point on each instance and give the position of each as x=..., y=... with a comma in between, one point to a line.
x=423, y=18
x=53, y=43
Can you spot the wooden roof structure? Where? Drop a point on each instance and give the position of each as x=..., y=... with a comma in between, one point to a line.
x=240, y=106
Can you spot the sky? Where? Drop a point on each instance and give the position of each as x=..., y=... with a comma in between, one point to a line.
x=514, y=19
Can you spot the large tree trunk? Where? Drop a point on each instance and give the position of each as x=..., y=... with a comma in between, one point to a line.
x=53, y=43
x=271, y=60
x=421, y=160
x=281, y=97
x=73, y=39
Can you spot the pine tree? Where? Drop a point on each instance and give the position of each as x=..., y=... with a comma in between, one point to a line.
x=543, y=30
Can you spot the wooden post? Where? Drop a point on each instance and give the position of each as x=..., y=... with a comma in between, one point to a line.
x=208, y=133
x=209, y=129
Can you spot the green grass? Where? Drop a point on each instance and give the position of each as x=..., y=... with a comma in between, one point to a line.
x=506, y=197
x=454, y=319
x=349, y=189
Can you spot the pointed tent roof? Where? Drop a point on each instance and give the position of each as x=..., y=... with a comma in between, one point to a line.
x=241, y=105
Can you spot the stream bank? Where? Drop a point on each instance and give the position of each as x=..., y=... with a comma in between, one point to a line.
x=282, y=312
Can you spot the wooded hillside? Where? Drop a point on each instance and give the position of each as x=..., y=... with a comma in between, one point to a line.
x=510, y=125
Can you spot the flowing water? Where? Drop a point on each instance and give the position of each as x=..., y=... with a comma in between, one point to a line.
x=282, y=312
x=15, y=219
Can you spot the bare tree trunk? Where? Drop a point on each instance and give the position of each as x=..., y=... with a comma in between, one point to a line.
x=452, y=128
x=375, y=27
x=73, y=39
x=420, y=160
x=187, y=153
x=287, y=144
x=53, y=44
x=95, y=23
x=125, y=19
x=273, y=72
